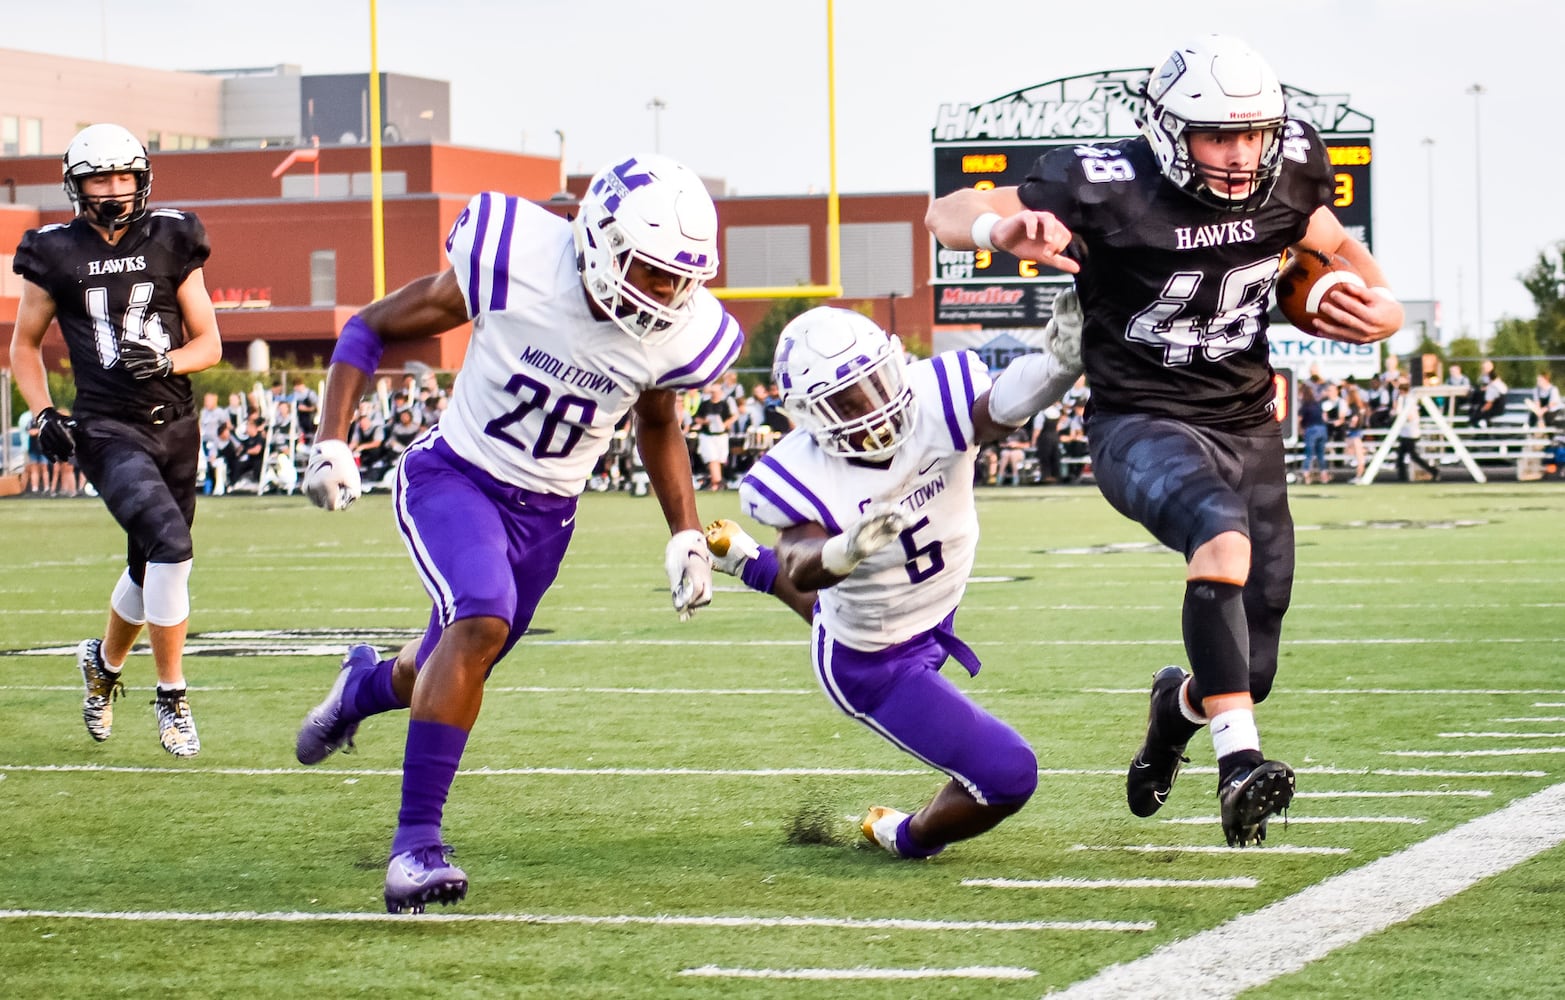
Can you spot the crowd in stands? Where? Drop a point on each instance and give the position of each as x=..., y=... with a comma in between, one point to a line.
x=259, y=441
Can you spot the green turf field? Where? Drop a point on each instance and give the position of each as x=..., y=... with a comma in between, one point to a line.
x=656, y=809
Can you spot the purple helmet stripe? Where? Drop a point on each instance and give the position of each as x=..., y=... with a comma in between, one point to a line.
x=502, y=262
x=474, y=270
x=775, y=467
x=948, y=406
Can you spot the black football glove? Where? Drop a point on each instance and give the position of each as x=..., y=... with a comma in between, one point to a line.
x=54, y=435
x=144, y=361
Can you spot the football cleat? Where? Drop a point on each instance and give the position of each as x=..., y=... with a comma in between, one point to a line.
x=176, y=726
x=880, y=827
x=422, y=876
x=103, y=687
x=730, y=546
x=1156, y=764
x=323, y=731
x=1248, y=798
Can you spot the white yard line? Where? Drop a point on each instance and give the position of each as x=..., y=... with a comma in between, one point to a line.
x=967, y=972
x=1248, y=852
x=577, y=919
x=1343, y=909
x=1305, y=820
x=1237, y=882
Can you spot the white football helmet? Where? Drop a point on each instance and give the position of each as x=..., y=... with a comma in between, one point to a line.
x=657, y=211
x=1217, y=84
x=107, y=149
x=840, y=378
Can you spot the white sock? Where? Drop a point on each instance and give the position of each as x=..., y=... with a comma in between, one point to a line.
x=1233, y=731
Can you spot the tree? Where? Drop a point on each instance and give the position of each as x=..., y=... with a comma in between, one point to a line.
x=1546, y=284
x=1515, y=338
x=761, y=339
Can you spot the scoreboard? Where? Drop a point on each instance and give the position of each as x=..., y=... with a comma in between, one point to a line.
x=994, y=144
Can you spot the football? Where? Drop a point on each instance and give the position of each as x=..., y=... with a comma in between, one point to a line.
x=1305, y=279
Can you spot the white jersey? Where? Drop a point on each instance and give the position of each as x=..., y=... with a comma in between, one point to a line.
x=545, y=380
x=912, y=584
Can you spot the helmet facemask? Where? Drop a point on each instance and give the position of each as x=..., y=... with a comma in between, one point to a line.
x=107, y=150
x=652, y=211
x=1216, y=84
x=841, y=378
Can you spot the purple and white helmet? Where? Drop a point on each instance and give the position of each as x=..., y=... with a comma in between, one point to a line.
x=656, y=210
x=841, y=378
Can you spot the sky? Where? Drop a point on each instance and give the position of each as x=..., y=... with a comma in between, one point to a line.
x=744, y=89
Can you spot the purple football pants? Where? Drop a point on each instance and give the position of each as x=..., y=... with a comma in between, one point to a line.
x=482, y=547
x=899, y=693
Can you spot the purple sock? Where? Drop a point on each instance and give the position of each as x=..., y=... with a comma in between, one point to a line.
x=760, y=573
x=370, y=692
x=907, y=848
x=429, y=765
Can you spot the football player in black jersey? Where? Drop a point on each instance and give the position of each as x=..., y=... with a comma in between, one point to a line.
x=1174, y=239
x=126, y=286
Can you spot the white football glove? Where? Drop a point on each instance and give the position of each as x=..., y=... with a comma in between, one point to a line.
x=1062, y=335
x=332, y=479
x=689, y=567
x=874, y=530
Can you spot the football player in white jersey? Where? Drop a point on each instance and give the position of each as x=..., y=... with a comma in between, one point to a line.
x=872, y=496
x=574, y=324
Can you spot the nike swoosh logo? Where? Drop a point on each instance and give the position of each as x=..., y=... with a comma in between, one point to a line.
x=925, y=470
x=1226, y=727
x=417, y=878
x=567, y=522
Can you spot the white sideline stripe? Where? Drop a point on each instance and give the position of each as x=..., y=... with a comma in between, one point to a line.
x=1249, y=852
x=1502, y=736
x=1511, y=752
x=1458, y=692
x=585, y=920
x=1237, y=882
x=1533, y=718
x=967, y=972
x=769, y=772
x=1305, y=820
x=1477, y=793
x=1337, y=912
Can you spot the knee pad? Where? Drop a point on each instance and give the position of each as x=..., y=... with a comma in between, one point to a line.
x=1012, y=776
x=127, y=600
x=166, y=594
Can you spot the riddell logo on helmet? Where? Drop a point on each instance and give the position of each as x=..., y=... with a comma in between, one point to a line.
x=1241, y=115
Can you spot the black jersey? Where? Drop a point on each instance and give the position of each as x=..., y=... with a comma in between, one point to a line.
x=1175, y=291
x=104, y=294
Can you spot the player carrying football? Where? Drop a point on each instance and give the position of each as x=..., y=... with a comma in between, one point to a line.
x=127, y=288
x=1174, y=238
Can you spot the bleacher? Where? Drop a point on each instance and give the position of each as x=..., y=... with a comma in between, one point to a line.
x=1510, y=450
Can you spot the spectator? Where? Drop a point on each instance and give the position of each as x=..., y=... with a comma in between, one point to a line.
x=1312, y=425
x=1378, y=396
x=1046, y=441
x=1461, y=388
x=776, y=417
x=1407, y=444
x=306, y=404
x=37, y=464
x=714, y=417
x=1013, y=455
x=1073, y=441
x=367, y=443
x=209, y=416
x=224, y=454
x=1355, y=419
x=238, y=410
x=1492, y=401
x=403, y=432
x=1545, y=404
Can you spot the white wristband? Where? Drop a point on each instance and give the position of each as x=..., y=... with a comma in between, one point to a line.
x=834, y=556
x=983, y=226
x=1385, y=293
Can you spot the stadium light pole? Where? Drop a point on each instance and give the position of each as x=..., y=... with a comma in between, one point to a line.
x=1477, y=90
x=656, y=106
x=1429, y=162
